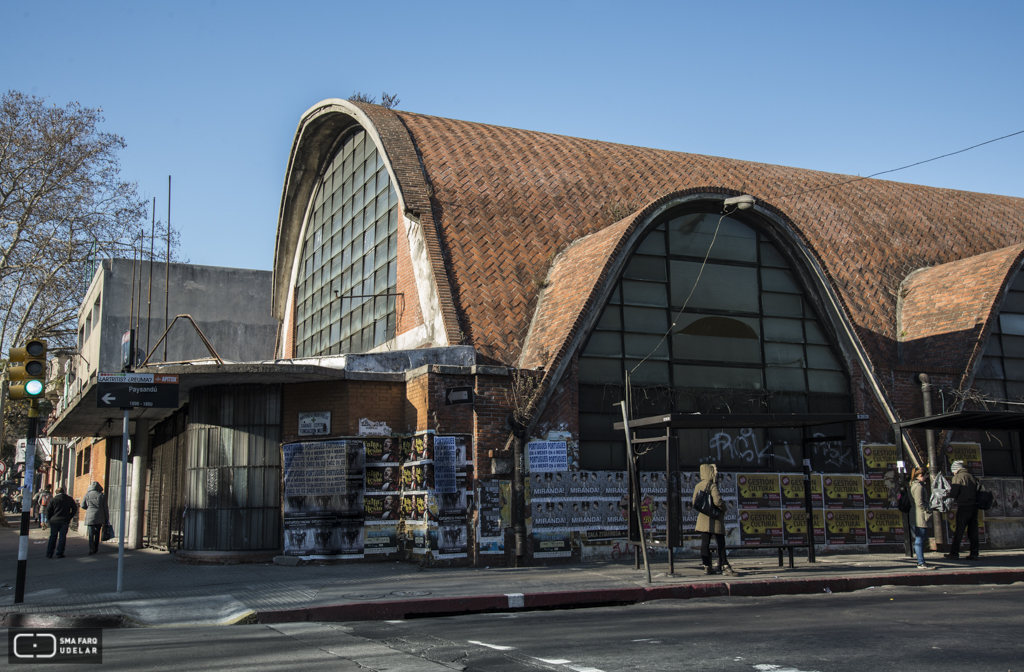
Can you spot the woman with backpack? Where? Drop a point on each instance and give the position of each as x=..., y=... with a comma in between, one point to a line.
x=920, y=514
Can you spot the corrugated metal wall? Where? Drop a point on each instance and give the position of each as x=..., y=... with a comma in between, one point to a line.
x=168, y=457
x=233, y=490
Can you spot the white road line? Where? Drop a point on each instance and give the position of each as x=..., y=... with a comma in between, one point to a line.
x=553, y=661
x=584, y=669
x=394, y=621
x=491, y=646
x=778, y=668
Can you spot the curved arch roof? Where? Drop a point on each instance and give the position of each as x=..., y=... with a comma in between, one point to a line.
x=504, y=202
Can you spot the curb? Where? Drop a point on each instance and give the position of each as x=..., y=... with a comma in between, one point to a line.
x=455, y=606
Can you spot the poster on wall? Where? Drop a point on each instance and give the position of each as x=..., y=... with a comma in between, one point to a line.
x=794, y=530
x=950, y=517
x=452, y=541
x=380, y=539
x=420, y=539
x=383, y=479
x=758, y=491
x=552, y=544
x=382, y=508
x=876, y=493
x=885, y=526
x=494, y=515
x=1013, y=498
x=793, y=491
x=547, y=455
x=414, y=507
x=445, y=464
x=969, y=454
x=998, y=508
x=385, y=450
x=845, y=527
x=760, y=527
x=879, y=458
x=844, y=491
x=315, y=468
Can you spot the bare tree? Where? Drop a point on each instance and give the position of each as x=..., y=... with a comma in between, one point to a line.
x=63, y=206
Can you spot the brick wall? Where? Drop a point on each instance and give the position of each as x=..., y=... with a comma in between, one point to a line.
x=347, y=400
x=95, y=469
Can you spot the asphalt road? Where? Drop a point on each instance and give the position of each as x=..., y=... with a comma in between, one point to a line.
x=907, y=629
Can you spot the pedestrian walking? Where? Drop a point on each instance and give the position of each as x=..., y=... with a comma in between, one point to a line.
x=707, y=525
x=964, y=491
x=921, y=514
x=60, y=510
x=41, y=500
x=94, y=503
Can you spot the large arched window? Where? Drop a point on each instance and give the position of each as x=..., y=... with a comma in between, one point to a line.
x=345, y=292
x=747, y=341
x=1000, y=378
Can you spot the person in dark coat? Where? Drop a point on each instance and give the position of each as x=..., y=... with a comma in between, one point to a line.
x=708, y=526
x=96, y=514
x=59, y=512
x=964, y=490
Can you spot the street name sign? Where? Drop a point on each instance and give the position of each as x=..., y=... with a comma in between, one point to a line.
x=136, y=390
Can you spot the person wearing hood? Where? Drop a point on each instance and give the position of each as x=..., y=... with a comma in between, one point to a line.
x=964, y=491
x=707, y=525
x=94, y=503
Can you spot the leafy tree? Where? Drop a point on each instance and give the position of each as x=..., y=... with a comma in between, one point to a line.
x=63, y=206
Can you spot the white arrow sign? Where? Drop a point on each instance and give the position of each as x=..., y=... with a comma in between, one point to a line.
x=107, y=398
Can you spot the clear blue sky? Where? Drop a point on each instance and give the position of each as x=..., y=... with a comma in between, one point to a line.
x=211, y=92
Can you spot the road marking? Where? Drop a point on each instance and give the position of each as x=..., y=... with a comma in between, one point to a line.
x=491, y=646
x=515, y=600
x=778, y=668
x=553, y=661
x=394, y=621
x=584, y=669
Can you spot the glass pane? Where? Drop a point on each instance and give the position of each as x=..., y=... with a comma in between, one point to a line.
x=644, y=293
x=610, y=318
x=777, y=280
x=643, y=345
x=1014, y=368
x=784, y=305
x=820, y=357
x=606, y=344
x=694, y=236
x=719, y=288
x=814, y=333
x=1012, y=323
x=782, y=378
x=784, y=354
x=646, y=319
x=594, y=370
x=717, y=377
x=643, y=267
x=827, y=381
x=1013, y=346
x=770, y=256
x=716, y=349
x=781, y=329
x=649, y=373
x=654, y=244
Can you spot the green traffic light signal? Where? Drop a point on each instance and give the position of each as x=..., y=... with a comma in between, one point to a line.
x=28, y=370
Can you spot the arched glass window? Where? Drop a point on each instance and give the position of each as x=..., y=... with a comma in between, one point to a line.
x=748, y=341
x=345, y=293
x=1000, y=378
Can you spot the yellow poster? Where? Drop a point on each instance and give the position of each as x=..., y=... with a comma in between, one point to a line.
x=845, y=527
x=879, y=458
x=758, y=491
x=969, y=454
x=795, y=526
x=876, y=493
x=844, y=491
x=793, y=491
x=885, y=526
x=760, y=527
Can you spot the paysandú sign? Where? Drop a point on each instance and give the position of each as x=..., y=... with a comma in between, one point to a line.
x=136, y=390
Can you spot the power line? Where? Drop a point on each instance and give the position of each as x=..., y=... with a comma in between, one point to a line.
x=893, y=170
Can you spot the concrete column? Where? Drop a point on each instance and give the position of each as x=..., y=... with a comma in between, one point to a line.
x=137, y=503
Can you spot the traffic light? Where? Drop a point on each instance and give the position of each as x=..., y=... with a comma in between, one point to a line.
x=28, y=370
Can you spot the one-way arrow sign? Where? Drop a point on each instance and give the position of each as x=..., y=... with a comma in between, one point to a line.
x=458, y=395
x=136, y=390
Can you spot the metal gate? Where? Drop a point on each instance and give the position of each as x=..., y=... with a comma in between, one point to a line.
x=167, y=482
x=233, y=491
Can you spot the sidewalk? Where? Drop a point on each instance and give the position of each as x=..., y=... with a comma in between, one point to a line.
x=81, y=589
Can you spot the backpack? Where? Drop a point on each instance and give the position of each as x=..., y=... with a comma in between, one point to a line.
x=985, y=498
x=904, y=502
x=44, y=498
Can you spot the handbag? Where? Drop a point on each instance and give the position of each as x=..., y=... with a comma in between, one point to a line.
x=108, y=532
x=704, y=503
x=985, y=498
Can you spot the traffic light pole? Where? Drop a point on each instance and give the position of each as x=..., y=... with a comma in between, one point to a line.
x=124, y=499
x=26, y=500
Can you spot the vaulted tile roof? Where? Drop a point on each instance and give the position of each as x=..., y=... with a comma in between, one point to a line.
x=945, y=310
x=506, y=201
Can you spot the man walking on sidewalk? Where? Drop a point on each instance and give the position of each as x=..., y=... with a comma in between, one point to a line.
x=964, y=490
x=59, y=511
x=96, y=514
